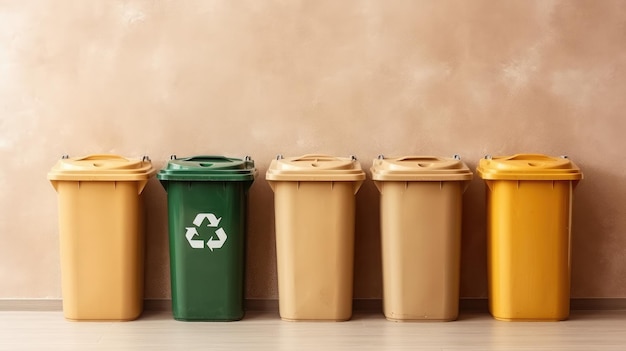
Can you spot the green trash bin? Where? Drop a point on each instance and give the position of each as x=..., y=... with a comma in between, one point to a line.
x=207, y=200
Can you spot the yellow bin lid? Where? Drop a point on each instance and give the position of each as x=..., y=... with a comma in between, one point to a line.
x=101, y=167
x=315, y=168
x=528, y=167
x=420, y=168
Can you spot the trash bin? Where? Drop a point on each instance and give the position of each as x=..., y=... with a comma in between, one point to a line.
x=101, y=233
x=420, y=214
x=207, y=200
x=314, y=200
x=529, y=205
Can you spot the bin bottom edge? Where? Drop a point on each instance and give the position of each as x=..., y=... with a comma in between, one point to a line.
x=91, y=319
x=529, y=319
x=418, y=320
x=315, y=319
x=217, y=320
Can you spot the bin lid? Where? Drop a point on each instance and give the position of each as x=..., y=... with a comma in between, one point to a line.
x=208, y=168
x=528, y=167
x=314, y=167
x=101, y=167
x=420, y=168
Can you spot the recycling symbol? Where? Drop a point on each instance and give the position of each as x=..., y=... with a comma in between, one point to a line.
x=214, y=222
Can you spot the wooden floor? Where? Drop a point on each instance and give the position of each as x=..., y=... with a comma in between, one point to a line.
x=154, y=331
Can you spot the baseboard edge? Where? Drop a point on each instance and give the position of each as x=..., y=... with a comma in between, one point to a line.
x=271, y=305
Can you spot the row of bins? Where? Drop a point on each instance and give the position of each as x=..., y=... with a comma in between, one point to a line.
x=102, y=235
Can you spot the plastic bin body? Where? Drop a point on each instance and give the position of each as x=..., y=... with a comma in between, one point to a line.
x=314, y=199
x=101, y=228
x=207, y=200
x=529, y=201
x=421, y=212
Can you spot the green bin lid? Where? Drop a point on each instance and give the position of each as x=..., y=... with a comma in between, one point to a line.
x=315, y=168
x=528, y=167
x=420, y=168
x=101, y=167
x=208, y=168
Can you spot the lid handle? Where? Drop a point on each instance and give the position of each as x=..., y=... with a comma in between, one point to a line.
x=316, y=158
x=206, y=158
x=419, y=158
x=529, y=157
x=97, y=157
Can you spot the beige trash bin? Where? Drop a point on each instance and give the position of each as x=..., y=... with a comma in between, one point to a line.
x=101, y=229
x=314, y=199
x=420, y=209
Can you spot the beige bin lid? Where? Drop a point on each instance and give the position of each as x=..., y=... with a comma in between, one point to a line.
x=420, y=168
x=101, y=167
x=315, y=168
x=528, y=167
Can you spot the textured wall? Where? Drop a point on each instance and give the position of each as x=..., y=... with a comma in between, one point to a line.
x=340, y=77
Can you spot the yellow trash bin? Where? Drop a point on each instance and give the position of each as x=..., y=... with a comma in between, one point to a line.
x=314, y=199
x=101, y=235
x=420, y=213
x=529, y=205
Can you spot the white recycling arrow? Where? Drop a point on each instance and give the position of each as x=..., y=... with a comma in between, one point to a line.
x=217, y=244
x=213, y=221
x=191, y=232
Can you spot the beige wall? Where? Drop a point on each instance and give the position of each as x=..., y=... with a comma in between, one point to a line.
x=260, y=78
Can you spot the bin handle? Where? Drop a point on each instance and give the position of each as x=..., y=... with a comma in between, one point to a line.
x=96, y=157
